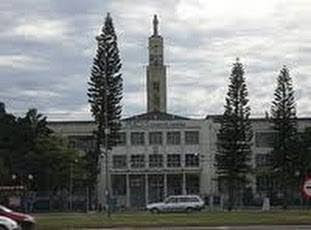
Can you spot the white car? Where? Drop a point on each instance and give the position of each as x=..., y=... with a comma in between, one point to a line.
x=182, y=203
x=8, y=224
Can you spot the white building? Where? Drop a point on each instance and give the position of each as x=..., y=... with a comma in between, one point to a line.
x=161, y=154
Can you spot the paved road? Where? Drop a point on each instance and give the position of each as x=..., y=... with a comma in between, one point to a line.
x=265, y=227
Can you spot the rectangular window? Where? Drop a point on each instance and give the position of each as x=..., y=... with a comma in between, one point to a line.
x=192, y=137
x=173, y=138
x=192, y=160
x=155, y=138
x=121, y=139
x=155, y=161
x=265, y=139
x=119, y=161
x=156, y=86
x=263, y=183
x=262, y=160
x=138, y=161
x=137, y=138
x=118, y=183
x=173, y=160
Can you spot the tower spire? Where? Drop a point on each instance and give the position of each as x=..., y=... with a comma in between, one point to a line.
x=156, y=72
x=155, y=25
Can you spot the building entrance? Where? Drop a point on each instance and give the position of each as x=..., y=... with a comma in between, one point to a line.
x=156, y=188
x=137, y=190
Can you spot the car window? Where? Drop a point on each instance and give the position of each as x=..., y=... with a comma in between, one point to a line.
x=193, y=199
x=183, y=199
x=171, y=200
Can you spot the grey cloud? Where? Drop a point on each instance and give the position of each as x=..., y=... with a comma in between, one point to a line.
x=199, y=54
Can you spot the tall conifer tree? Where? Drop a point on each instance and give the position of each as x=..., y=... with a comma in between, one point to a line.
x=284, y=155
x=235, y=134
x=105, y=94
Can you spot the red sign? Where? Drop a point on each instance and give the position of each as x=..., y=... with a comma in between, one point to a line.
x=306, y=188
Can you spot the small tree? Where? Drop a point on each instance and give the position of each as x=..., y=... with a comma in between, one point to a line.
x=105, y=94
x=285, y=155
x=235, y=134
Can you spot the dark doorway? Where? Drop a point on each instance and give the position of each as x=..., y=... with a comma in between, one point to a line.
x=192, y=183
x=156, y=188
x=174, y=184
x=137, y=190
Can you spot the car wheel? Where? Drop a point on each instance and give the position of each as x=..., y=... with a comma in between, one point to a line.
x=27, y=226
x=3, y=228
x=154, y=210
x=189, y=210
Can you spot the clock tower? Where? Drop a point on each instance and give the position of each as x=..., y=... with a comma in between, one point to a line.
x=156, y=72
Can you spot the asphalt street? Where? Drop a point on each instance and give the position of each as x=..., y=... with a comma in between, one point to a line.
x=264, y=227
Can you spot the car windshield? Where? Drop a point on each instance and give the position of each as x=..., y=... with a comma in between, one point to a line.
x=5, y=209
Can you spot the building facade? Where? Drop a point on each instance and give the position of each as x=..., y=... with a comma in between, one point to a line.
x=161, y=154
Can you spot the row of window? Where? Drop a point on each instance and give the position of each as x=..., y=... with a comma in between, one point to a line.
x=156, y=138
x=262, y=139
x=155, y=161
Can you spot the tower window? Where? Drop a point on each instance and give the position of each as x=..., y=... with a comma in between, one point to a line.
x=156, y=86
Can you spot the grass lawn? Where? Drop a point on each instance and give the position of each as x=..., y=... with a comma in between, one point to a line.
x=60, y=221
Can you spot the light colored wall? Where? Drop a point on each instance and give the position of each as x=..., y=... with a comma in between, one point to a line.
x=207, y=147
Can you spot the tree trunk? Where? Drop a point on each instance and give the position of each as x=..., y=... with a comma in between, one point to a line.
x=231, y=197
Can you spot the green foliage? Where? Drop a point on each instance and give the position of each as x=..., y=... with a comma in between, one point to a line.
x=105, y=94
x=285, y=155
x=234, y=138
x=4, y=172
x=51, y=158
x=27, y=146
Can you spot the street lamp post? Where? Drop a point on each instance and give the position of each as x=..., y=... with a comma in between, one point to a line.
x=26, y=185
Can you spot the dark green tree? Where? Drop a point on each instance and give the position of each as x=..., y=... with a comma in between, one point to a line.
x=28, y=146
x=51, y=160
x=285, y=155
x=234, y=138
x=30, y=129
x=8, y=137
x=105, y=94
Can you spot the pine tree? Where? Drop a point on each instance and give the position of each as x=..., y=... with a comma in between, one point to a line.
x=284, y=156
x=234, y=137
x=105, y=94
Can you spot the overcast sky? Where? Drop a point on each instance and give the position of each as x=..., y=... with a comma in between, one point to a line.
x=47, y=46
